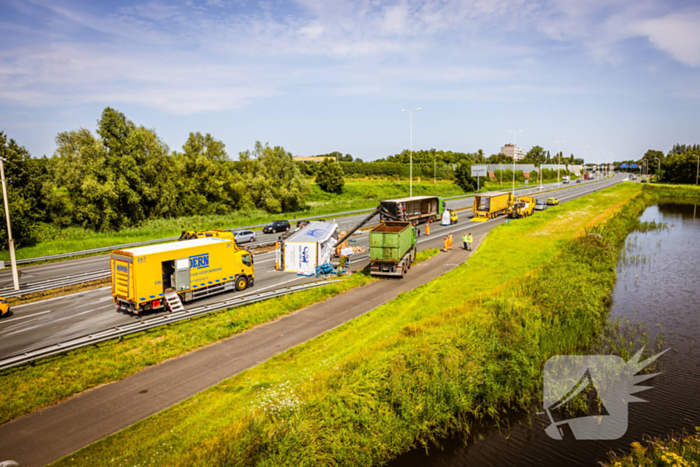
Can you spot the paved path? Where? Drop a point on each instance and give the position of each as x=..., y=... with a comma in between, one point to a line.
x=47, y=435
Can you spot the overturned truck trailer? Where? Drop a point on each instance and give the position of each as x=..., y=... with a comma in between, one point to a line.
x=307, y=249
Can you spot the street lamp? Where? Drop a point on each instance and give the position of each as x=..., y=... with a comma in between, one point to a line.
x=515, y=145
x=559, y=160
x=411, y=149
x=10, y=240
x=659, y=169
x=697, y=171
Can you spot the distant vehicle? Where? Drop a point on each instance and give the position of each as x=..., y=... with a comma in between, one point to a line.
x=578, y=180
x=540, y=206
x=4, y=307
x=565, y=179
x=633, y=177
x=244, y=236
x=587, y=176
x=302, y=224
x=277, y=226
x=453, y=217
x=552, y=201
x=644, y=180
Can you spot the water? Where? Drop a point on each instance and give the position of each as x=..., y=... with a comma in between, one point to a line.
x=658, y=283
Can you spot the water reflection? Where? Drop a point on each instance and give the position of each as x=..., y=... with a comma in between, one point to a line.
x=664, y=292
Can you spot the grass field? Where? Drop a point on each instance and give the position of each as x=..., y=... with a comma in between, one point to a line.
x=357, y=194
x=466, y=346
x=68, y=374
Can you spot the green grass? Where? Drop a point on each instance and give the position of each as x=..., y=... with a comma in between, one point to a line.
x=73, y=372
x=467, y=345
x=357, y=194
x=677, y=451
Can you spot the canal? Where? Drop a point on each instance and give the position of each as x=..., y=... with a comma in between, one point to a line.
x=658, y=283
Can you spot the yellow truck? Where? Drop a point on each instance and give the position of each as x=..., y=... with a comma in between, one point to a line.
x=4, y=307
x=524, y=206
x=490, y=205
x=164, y=276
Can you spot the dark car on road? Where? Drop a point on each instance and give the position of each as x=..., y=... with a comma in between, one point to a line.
x=277, y=226
x=578, y=181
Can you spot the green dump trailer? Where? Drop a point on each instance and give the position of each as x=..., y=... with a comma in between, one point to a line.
x=392, y=248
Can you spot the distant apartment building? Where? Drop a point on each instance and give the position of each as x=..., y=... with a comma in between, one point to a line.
x=511, y=150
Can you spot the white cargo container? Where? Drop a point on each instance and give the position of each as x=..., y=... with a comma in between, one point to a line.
x=308, y=248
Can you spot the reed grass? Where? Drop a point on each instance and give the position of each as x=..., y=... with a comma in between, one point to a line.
x=673, y=451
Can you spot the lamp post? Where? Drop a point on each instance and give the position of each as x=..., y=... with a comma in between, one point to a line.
x=697, y=171
x=411, y=149
x=659, y=169
x=10, y=240
x=515, y=145
x=434, y=170
x=559, y=159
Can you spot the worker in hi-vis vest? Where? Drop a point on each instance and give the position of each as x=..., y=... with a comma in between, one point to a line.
x=469, y=241
x=464, y=240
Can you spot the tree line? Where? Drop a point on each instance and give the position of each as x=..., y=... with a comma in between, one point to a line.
x=679, y=165
x=125, y=174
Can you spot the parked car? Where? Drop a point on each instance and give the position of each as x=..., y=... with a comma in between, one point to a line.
x=552, y=201
x=244, y=236
x=277, y=226
x=540, y=206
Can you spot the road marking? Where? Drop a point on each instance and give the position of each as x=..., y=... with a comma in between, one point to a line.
x=27, y=316
x=63, y=296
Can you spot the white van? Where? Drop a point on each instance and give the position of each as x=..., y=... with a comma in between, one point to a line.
x=565, y=179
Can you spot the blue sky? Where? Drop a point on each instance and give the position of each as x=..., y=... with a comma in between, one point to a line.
x=316, y=76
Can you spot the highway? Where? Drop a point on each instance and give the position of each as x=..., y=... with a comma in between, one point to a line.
x=50, y=321
x=72, y=267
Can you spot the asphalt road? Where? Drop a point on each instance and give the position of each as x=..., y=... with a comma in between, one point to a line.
x=61, y=269
x=51, y=321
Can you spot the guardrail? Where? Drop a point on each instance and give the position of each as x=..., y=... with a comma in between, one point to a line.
x=145, y=324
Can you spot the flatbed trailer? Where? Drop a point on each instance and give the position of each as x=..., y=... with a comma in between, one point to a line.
x=417, y=210
x=491, y=205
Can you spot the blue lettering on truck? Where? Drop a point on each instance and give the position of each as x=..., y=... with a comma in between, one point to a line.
x=199, y=261
x=122, y=268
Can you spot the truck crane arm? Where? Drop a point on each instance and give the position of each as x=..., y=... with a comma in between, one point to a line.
x=380, y=210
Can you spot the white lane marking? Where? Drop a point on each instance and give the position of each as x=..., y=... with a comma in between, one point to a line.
x=22, y=317
x=62, y=297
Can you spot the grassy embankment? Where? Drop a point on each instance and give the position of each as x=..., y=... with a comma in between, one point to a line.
x=29, y=388
x=682, y=451
x=432, y=362
x=357, y=194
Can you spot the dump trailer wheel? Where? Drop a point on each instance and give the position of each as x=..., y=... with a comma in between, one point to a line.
x=241, y=283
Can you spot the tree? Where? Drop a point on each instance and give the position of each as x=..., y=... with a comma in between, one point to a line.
x=499, y=159
x=277, y=184
x=116, y=180
x=650, y=156
x=464, y=179
x=23, y=193
x=536, y=155
x=329, y=176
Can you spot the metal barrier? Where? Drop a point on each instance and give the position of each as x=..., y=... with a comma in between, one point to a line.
x=145, y=324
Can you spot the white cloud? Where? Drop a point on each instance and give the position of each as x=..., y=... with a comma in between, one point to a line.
x=677, y=34
x=188, y=58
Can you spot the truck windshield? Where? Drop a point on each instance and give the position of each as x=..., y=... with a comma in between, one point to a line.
x=247, y=260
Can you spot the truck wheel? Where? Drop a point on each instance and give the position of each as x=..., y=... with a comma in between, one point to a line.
x=241, y=283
